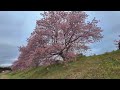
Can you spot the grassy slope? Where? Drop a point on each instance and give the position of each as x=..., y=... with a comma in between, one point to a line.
x=106, y=66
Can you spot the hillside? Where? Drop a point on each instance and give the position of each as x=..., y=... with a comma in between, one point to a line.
x=105, y=66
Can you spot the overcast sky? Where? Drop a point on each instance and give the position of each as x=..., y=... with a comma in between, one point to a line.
x=15, y=28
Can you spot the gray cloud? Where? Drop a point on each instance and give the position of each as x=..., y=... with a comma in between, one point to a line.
x=8, y=53
x=109, y=21
x=15, y=28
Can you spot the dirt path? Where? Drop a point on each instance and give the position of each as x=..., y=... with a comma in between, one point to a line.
x=4, y=76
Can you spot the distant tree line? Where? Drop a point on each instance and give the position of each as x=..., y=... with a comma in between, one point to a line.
x=5, y=68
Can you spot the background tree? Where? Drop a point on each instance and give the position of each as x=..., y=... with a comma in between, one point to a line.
x=59, y=35
x=117, y=43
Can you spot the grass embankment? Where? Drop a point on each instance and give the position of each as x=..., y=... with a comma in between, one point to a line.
x=105, y=66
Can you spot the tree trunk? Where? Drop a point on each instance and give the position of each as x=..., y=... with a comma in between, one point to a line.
x=62, y=55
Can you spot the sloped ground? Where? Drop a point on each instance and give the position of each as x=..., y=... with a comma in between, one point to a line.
x=105, y=66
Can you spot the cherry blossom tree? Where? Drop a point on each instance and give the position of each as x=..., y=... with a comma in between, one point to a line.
x=59, y=35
